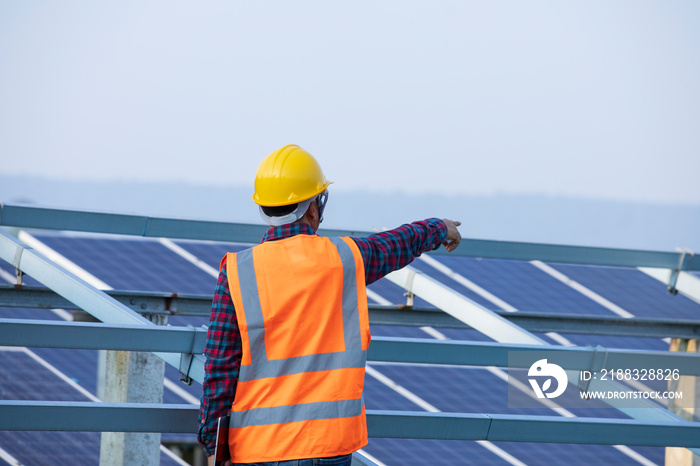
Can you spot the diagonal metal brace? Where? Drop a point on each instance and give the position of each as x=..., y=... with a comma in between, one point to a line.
x=598, y=361
x=409, y=288
x=187, y=358
x=683, y=264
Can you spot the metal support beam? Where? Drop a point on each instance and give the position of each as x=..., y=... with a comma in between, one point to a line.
x=82, y=335
x=90, y=335
x=544, y=322
x=200, y=305
x=97, y=417
x=468, y=353
x=71, y=220
x=143, y=302
x=550, y=429
x=142, y=417
x=121, y=224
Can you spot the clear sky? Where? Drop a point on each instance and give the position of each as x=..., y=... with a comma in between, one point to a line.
x=591, y=99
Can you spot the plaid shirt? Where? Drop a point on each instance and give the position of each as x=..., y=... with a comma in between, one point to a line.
x=381, y=252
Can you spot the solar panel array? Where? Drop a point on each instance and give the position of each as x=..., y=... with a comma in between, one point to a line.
x=148, y=265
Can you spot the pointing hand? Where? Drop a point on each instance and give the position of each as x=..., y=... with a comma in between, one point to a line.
x=453, y=236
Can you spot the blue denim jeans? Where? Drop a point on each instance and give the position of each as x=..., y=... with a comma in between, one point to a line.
x=344, y=460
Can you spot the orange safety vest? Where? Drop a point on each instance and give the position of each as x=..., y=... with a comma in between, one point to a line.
x=301, y=305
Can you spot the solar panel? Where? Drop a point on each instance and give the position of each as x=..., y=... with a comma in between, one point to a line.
x=27, y=313
x=521, y=285
x=211, y=253
x=24, y=375
x=25, y=378
x=78, y=365
x=132, y=264
x=633, y=290
x=571, y=454
x=416, y=332
x=51, y=448
x=434, y=452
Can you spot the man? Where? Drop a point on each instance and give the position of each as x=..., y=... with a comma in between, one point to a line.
x=289, y=329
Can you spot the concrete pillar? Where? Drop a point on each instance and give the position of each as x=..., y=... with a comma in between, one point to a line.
x=687, y=407
x=132, y=377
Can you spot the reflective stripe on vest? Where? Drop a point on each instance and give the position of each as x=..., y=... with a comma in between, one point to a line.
x=262, y=367
x=295, y=413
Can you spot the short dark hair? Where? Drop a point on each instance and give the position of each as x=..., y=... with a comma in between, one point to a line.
x=279, y=211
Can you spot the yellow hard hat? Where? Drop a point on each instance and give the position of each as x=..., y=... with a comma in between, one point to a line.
x=287, y=176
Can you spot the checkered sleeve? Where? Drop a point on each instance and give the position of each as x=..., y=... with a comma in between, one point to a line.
x=391, y=250
x=223, y=360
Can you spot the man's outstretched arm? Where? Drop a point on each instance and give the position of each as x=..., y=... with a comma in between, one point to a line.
x=393, y=249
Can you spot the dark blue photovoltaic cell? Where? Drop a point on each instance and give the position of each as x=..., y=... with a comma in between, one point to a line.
x=78, y=365
x=397, y=331
x=27, y=313
x=457, y=389
x=409, y=452
x=416, y=332
x=57, y=448
x=143, y=265
x=379, y=396
x=568, y=454
x=459, y=334
x=23, y=378
x=449, y=452
x=611, y=341
x=52, y=448
x=655, y=454
x=523, y=286
x=165, y=460
x=633, y=290
x=184, y=321
x=211, y=253
x=429, y=270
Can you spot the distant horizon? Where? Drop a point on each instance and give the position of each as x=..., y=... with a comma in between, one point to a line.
x=539, y=218
x=377, y=191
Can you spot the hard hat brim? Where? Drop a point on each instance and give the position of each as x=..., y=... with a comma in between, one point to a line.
x=292, y=199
